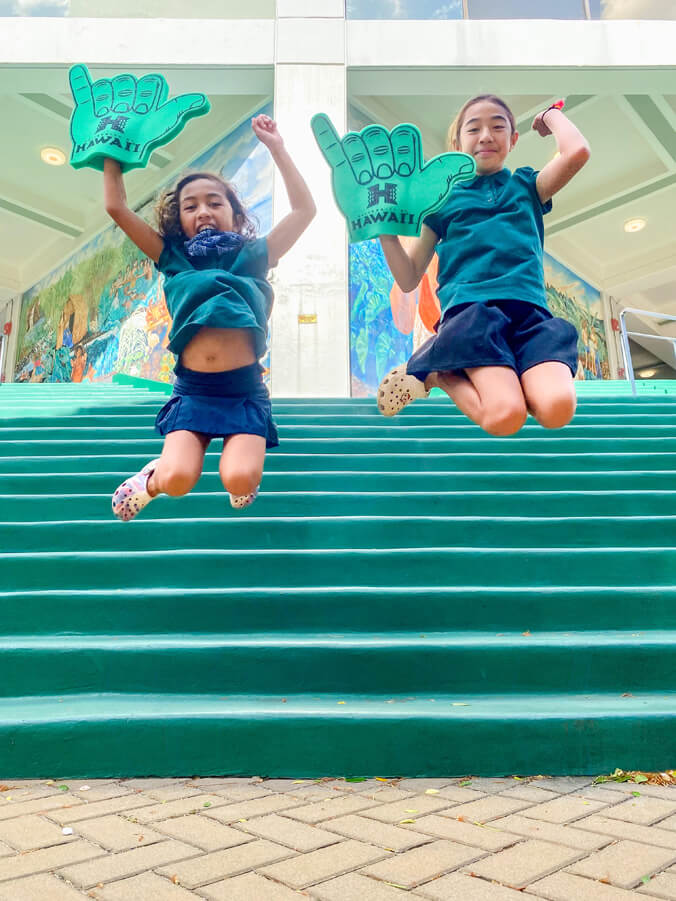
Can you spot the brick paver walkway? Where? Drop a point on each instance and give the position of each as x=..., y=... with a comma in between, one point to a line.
x=222, y=839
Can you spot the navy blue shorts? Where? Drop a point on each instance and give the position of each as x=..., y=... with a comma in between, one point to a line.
x=219, y=404
x=497, y=333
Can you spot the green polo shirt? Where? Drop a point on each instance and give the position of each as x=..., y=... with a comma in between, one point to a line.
x=491, y=237
x=227, y=291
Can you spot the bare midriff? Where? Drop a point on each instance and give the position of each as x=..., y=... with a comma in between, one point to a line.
x=219, y=350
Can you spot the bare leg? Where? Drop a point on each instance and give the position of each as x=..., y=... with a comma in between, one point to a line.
x=492, y=397
x=241, y=464
x=550, y=393
x=180, y=465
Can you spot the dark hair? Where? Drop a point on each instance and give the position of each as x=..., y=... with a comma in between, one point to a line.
x=452, y=141
x=168, y=212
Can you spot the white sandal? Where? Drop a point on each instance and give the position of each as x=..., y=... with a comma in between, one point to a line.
x=398, y=389
x=132, y=495
x=240, y=501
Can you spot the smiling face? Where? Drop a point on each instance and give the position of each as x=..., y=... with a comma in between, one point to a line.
x=202, y=204
x=486, y=135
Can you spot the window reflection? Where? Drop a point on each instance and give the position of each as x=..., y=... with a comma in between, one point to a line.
x=632, y=9
x=526, y=9
x=404, y=9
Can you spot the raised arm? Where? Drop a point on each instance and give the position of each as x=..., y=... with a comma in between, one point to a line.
x=573, y=152
x=285, y=234
x=409, y=266
x=136, y=228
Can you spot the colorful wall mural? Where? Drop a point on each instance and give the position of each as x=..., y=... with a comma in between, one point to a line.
x=103, y=310
x=387, y=325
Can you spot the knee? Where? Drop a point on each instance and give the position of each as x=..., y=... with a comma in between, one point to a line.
x=241, y=480
x=504, y=420
x=176, y=480
x=556, y=410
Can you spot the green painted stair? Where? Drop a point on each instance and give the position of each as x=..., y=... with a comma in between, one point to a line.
x=407, y=596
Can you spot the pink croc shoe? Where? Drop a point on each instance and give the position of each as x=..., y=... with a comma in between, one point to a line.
x=398, y=389
x=240, y=501
x=132, y=495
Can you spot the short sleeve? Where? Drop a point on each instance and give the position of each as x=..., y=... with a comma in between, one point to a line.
x=252, y=259
x=171, y=260
x=529, y=177
x=437, y=222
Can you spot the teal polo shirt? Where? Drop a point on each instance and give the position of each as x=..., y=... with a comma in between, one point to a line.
x=227, y=291
x=491, y=237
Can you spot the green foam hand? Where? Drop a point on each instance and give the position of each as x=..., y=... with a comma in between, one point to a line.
x=380, y=181
x=125, y=118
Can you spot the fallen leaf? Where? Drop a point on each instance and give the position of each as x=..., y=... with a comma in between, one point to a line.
x=381, y=779
x=460, y=818
x=175, y=879
x=527, y=632
x=465, y=783
x=431, y=791
x=395, y=885
x=341, y=702
x=459, y=704
x=401, y=822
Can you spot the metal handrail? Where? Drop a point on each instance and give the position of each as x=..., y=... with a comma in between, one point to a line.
x=624, y=336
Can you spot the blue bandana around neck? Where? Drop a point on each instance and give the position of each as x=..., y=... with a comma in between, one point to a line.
x=212, y=242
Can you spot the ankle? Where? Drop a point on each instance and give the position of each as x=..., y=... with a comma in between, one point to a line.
x=152, y=487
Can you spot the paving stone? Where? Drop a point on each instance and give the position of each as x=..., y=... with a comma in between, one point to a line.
x=338, y=806
x=172, y=792
x=422, y=864
x=566, y=887
x=326, y=863
x=150, y=783
x=246, y=810
x=386, y=795
x=370, y=785
x=29, y=832
x=563, y=784
x=649, y=835
x=354, y=887
x=530, y=793
x=83, y=811
x=416, y=805
x=462, y=887
x=372, y=832
x=5, y=850
x=117, y=834
x=662, y=886
x=146, y=887
x=316, y=793
x=95, y=789
x=128, y=863
x=486, y=809
x=210, y=782
x=598, y=793
x=420, y=786
x=243, y=792
x=460, y=794
x=666, y=792
x=669, y=823
x=551, y=832
x=488, y=838
x=643, y=811
x=47, y=859
x=38, y=888
x=297, y=836
x=11, y=809
x=248, y=887
x=194, y=804
x=491, y=786
x=517, y=867
x=284, y=785
x=625, y=863
x=564, y=810
x=203, y=832
x=221, y=864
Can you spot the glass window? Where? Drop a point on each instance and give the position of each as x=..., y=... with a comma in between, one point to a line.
x=526, y=9
x=632, y=9
x=403, y=9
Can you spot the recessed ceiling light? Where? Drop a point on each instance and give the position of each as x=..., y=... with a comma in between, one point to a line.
x=52, y=156
x=647, y=373
x=634, y=225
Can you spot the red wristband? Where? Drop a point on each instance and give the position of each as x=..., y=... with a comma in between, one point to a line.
x=558, y=105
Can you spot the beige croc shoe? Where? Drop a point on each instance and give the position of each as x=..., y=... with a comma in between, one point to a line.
x=398, y=389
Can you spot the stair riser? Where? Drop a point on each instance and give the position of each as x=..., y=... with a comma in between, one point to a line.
x=279, y=569
x=22, y=508
x=313, y=747
x=128, y=612
x=231, y=532
x=295, y=669
x=284, y=461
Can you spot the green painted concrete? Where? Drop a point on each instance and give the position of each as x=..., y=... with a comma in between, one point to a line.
x=407, y=596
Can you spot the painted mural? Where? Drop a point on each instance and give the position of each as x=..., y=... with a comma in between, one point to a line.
x=387, y=325
x=103, y=310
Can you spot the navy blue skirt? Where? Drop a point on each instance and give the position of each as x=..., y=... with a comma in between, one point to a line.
x=497, y=333
x=219, y=404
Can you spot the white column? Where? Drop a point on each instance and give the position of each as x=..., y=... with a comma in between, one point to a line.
x=310, y=323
